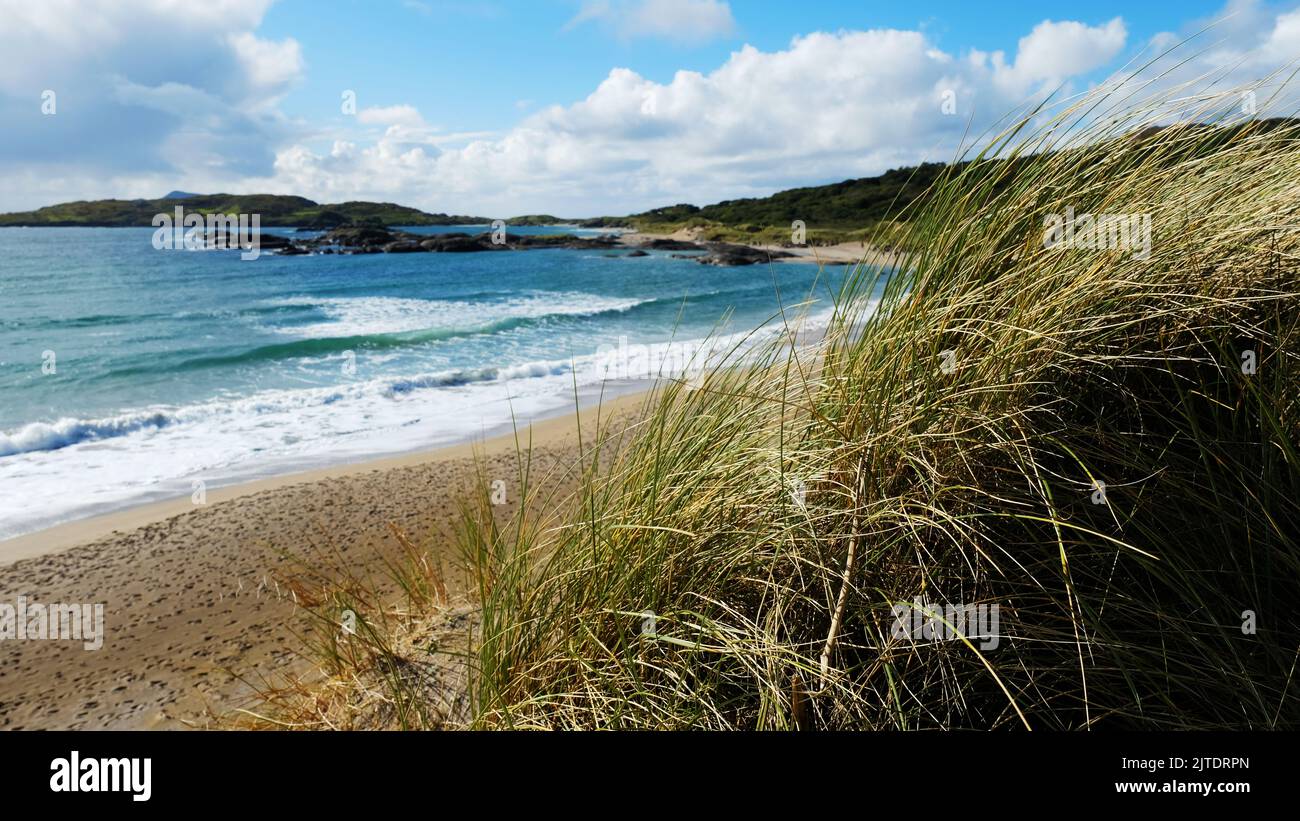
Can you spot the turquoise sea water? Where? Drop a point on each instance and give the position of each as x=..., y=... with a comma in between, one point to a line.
x=128, y=373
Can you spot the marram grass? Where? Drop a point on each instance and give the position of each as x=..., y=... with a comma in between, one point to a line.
x=1099, y=438
x=952, y=443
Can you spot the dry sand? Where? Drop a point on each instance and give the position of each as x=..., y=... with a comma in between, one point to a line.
x=192, y=594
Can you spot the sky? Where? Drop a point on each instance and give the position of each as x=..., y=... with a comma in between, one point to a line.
x=568, y=107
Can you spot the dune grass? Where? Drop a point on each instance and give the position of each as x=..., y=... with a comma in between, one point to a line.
x=1101, y=442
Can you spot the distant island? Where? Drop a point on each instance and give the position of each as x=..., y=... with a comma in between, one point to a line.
x=839, y=212
x=276, y=211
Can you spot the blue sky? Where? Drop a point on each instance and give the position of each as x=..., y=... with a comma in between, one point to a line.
x=574, y=107
x=497, y=54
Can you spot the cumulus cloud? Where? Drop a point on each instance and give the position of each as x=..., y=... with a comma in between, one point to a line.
x=1055, y=51
x=145, y=92
x=268, y=66
x=688, y=21
x=830, y=106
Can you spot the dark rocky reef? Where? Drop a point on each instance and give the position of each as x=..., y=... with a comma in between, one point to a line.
x=671, y=245
x=229, y=241
x=369, y=239
x=722, y=253
x=373, y=239
x=324, y=221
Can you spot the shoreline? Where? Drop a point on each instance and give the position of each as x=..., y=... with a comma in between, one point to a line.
x=844, y=253
x=68, y=533
x=201, y=603
x=91, y=522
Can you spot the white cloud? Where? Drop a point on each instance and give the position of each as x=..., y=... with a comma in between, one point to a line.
x=832, y=105
x=150, y=90
x=1282, y=44
x=828, y=107
x=195, y=108
x=687, y=21
x=270, y=66
x=1054, y=51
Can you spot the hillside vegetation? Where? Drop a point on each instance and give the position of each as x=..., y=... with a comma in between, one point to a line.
x=840, y=212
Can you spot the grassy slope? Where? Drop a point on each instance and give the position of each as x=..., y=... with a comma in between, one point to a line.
x=844, y=211
x=976, y=484
x=1072, y=368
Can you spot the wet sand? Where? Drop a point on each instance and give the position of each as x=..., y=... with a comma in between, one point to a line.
x=196, y=604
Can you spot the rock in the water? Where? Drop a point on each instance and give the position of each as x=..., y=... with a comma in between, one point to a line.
x=564, y=241
x=222, y=240
x=671, y=245
x=270, y=242
x=357, y=236
x=403, y=247
x=372, y=239
x=726, y=254
x=458, y=243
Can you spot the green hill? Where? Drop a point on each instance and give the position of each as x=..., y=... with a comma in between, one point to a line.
x=838, y=212
x=846, y=205
x=274, y=210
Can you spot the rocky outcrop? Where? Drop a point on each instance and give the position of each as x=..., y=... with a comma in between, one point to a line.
x=230, y=241
x=459, y=243
x=671, y=245
x=358, y=236
x=599, y=243
x=402, y=247
x=726, y=254
x=373, y=239
x=353, y=239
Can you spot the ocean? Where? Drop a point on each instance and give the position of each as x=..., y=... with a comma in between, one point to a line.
x=129, y=374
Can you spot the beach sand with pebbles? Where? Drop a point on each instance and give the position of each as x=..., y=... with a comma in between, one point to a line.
x=197, y=611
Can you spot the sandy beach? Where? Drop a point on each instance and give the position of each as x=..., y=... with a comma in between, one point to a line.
x=843, y=253
x=195, y=610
